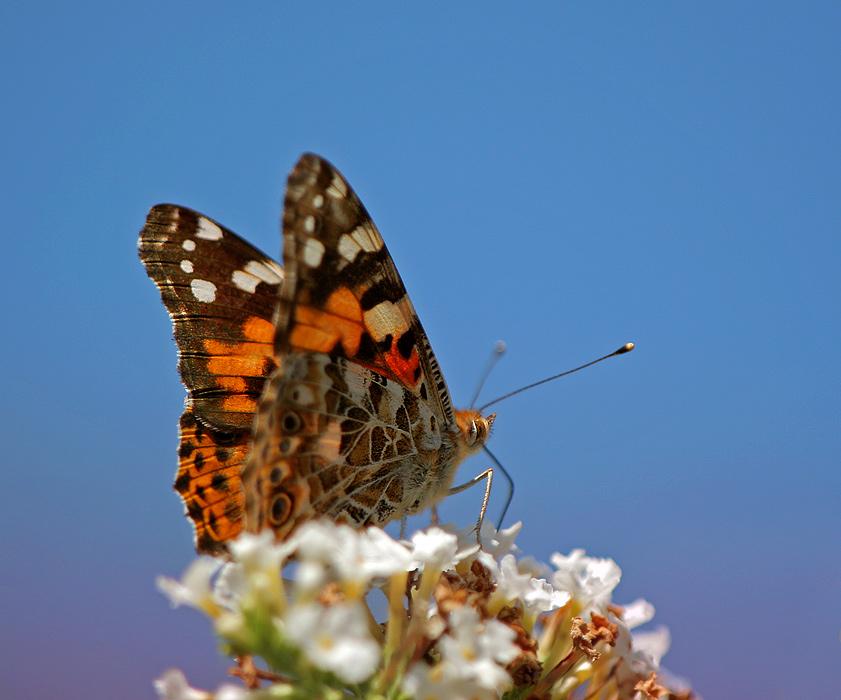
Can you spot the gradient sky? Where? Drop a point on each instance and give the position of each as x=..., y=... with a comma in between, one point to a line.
x=567, y=177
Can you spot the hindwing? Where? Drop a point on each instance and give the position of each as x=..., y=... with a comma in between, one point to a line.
x=337, y=439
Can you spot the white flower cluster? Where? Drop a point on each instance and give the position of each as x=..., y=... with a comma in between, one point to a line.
x=462, y=622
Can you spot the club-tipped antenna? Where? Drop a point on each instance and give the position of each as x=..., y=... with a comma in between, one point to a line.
x=510, y=481
x=497, y=352
x=627, y=347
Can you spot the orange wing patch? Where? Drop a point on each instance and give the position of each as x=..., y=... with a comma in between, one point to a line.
x=320, y=330
x=208, y=481
x=231, y=362
x=342, y=324
x=405, y=369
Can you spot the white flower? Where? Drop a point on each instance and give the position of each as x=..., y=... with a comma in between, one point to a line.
x=334, y=638
x=364, y=555
x=441, y=682
x=260, y=552
x=653, y=644
x=640, y=651
x=472, y=655
x=322, y=540
x=476, y=649
x=542, y=598
x=531, y=566
x=499, y=542
x=496, y=640
x=322, y=547
x=194, y=587
x=434, y=549
x=173, y=686
x=311, y=575
x=328, y=552
x=495, y=542
x=510, y=583
x=536, y=595
x=256, y=571
x=230, y=585
x=590, y=581
x=230, y=692
x=637, y=613
x=380, y=556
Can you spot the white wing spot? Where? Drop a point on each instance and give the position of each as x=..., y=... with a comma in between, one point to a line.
x=268, y=271
x=256, y=272
x=244, y=281
x=367, y=238
x=208, y=230
x=337, y=189
x=318, y=201
x=187, y=266
x=309, y=224
x=203, y=290
x=313, y=252
x=386, y=318
x=189, y=245
x=348, y=248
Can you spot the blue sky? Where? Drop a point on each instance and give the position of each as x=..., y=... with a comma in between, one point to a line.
x=564, y=176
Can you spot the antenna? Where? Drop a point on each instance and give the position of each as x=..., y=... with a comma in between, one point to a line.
x=497, y=352
x=621, y=351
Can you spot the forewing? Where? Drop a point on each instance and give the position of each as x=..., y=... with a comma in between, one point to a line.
x=343, y=295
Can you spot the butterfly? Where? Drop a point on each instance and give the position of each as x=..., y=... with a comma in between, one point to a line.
x=312, y=389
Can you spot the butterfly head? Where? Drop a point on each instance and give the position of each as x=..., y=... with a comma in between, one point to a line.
x=475, y=429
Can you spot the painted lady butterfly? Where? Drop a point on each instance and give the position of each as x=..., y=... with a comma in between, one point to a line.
x=314, y=394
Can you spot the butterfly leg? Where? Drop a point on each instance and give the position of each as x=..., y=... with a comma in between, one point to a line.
x=403, y=528
x=488, y=476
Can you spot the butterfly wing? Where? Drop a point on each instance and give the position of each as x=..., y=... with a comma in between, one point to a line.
x=221, y=294
x=357, y=422
x=346, y=298
x=334, y=438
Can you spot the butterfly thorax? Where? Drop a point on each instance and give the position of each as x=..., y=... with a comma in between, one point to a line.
x=435, y=478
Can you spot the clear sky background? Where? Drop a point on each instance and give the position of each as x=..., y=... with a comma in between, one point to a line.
x=567, y=177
